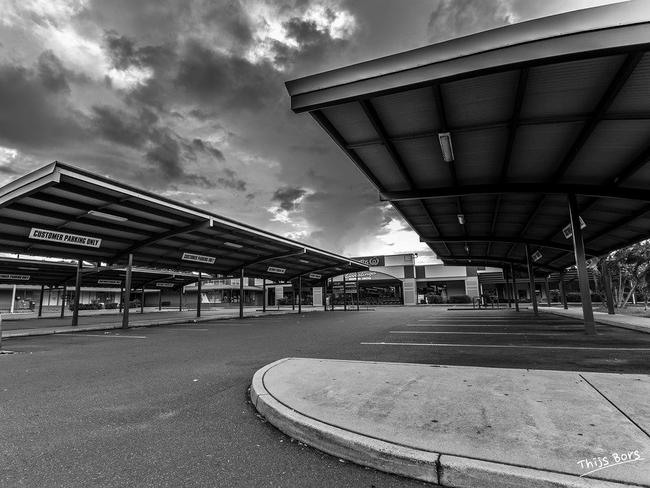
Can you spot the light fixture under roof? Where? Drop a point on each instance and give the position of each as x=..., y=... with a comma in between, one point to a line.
x=446, y=147
x=466, y=248
x=107, y=216
x=28, y=268
x=304, y=261
x=461, y=219
x=233, y=245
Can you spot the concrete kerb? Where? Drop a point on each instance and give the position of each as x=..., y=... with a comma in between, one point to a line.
x=600, y=319
x=341, y=443
x=439, y=468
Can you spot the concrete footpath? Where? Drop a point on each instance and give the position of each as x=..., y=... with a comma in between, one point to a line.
x=24, y=325
x=642, y=324
x=466, y=426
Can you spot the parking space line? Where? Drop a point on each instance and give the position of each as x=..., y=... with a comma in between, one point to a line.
x=482, y=325
x=112, y=336
x=473, y=333
x=641, y=349
x=188, y=328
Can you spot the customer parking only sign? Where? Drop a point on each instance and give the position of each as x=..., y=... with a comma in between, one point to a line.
x=62, y=237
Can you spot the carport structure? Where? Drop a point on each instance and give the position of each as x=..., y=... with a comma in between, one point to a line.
x=494, y=145
x=62, y=211
x=61, y=274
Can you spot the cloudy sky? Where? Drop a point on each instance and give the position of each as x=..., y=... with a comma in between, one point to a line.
x=186, y=98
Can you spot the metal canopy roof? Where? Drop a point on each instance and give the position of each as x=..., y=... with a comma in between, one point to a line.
x=62, y=211
x=48, y=273
x=535, y=110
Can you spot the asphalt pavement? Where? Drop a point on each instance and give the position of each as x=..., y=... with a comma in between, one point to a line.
x=169, y=405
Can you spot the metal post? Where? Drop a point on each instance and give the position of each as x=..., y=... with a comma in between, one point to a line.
x=77, y=292
x=325, y=294
x=357, y=289
x=531, y=278
x=121, y=299
x=159, y=300
x=198, y=296
x=548, y=294
x=241, y=294
x=263, y=294
x=508, y=290
x=607, y=285
x=12, y=305
x=583, y=278
x=142, y=300
x=40, y=301
x=345, y=295
x=180, y=299
x=514, y=287
x=563, y=292
x=63, y=301
x=300, y=294
x=127, y=292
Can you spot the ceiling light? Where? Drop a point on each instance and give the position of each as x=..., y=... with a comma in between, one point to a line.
x=445, y=145
x=466, y=248
x=461, y=219
x=107, y=216
x=304, y=261
x=28, y=268
x=233, y=244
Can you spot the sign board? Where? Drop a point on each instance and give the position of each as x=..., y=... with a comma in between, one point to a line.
x=14, y=277
x=55, y=236
x=568, y=231
x=273, y=269
x=164, y=284
x=109, y=282
x=536, y=256
x=315, y=276
x=371, y=260
x=198, y=258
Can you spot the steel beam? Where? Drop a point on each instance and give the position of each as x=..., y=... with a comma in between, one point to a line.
x=531, y=280
x=77, y=293
x=583, y=278
x=127, y=292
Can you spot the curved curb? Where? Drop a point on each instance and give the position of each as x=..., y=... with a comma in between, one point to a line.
x=441, y=469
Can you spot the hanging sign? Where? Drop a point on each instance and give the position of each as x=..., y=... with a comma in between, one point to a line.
x=55, y=236
x=315, y=276
x=273, y=269
x=14, y=277
x=198, y=258
x=109, y=282
x=163, y=284
x=536, y=256
x=568, y=231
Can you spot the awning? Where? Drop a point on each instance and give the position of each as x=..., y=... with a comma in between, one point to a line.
x=534, y=112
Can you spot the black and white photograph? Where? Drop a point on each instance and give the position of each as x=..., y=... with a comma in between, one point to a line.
x=325, y=243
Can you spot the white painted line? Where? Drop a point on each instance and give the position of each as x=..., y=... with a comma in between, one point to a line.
x=473, y=333
x=188, y=328
x=505, y=326
x=112, y=336
x=506, y=346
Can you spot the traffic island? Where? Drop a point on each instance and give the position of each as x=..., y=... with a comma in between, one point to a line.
x=466, y=426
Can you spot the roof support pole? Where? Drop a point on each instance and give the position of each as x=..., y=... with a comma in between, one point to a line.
x=581, y=264
x=121, y=298
x=127, y=292
x=142, y=300
x=514, y=287
x=565, y=304
x=357, y=289
x=325, y=294
x=531, y=278
x=548, y=294
x=40, y=302
x=198, y=296
x=607, y=285
x=241, y=293
x=12, y=305
x=264, y=297
x=293, y=296
x=159, y=300
x=77, y=292
x=300, y=294
x=180, y=299
x=345, y=295
x=508, y=290
x=63, y=292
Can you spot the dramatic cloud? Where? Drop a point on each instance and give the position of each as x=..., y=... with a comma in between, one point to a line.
x=288, y=197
